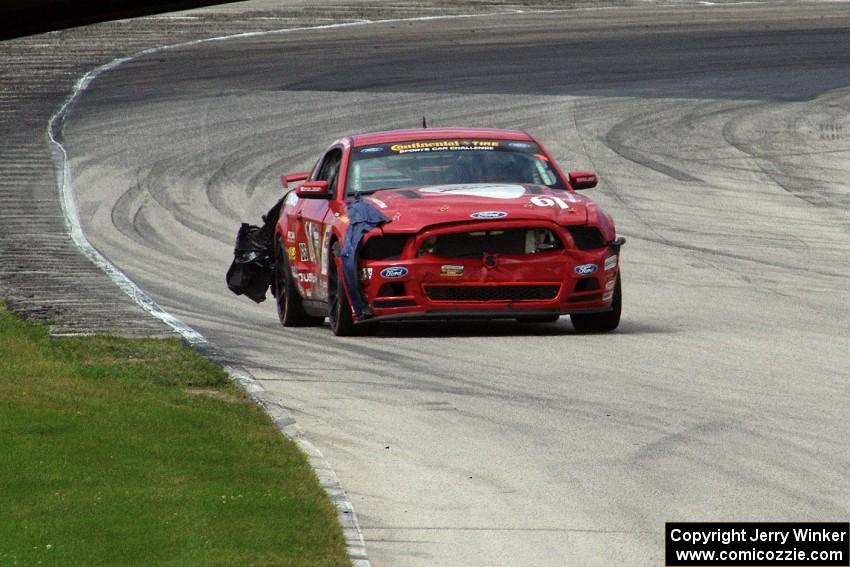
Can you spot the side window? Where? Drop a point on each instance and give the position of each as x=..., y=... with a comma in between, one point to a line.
x=329, y=170
x=544, y=174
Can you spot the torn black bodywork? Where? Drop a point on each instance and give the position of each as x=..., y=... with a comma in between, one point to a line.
x=252, y=269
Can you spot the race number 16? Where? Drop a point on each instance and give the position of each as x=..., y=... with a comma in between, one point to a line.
x=549, y=202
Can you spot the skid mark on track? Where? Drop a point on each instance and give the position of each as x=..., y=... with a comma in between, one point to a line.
x=617, y=139
x=784, y=153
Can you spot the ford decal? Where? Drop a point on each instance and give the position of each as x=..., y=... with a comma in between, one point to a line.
x=489, y=215
x=393, y=272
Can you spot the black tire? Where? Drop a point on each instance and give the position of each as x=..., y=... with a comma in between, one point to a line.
x=339, y=309
x=538, y=318
x=601, y=322
x=290, y=311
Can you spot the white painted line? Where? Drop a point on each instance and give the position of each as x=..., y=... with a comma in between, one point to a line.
x=707, y=3
x=72, y=218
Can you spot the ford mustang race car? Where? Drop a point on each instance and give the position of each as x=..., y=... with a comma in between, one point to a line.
x=443, y=223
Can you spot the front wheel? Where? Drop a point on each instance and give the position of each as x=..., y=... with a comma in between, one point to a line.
x=339, y=309
x=601, y=322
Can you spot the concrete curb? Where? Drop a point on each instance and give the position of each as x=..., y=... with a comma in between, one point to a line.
x=286, y=424
x=283, y=420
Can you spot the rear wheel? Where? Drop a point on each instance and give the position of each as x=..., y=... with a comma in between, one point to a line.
x=601, y=322
x=339, y=309
x=290, y=311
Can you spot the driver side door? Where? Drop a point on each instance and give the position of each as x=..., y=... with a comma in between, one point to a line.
x=312, y=224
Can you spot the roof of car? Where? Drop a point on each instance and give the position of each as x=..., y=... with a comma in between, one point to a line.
x=436, y=133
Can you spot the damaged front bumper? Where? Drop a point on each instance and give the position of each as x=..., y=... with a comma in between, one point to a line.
x=423, y=281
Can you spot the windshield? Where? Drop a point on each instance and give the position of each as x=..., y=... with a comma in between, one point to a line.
x=446, y=162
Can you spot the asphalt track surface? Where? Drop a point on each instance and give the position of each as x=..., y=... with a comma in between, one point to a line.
x=722, y=138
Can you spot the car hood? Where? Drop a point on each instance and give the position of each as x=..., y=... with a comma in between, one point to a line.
x=413, y=208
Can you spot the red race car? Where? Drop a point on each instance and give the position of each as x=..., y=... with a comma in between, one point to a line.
x=442, y=223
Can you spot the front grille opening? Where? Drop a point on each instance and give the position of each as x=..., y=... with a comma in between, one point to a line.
x=586, y=237
x=492, y=292
x=587, y=284
x=514, y=241
x=391, y=290
x=386, y=247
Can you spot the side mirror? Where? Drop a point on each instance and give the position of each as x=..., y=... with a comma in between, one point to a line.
x=582, y=179
x=313, y=190
x=285, y=180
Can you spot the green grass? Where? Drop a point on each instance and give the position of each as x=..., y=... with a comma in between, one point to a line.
x=140, y=452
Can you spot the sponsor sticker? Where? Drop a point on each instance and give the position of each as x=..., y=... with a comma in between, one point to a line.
x=292, y=253
x=377, y=201
x=393, y=272
x=522, y=145
x=610, y=285
x=610, y=263
x=303, y=249
x=323, y=260
x=451, y=270
x=487, y=191
x=305, y=277
x=365, y=274
x=290, y=236
x=585, y=269
x=315, y=241
x=436, y=145
x=372, y=150
x=489, y=215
